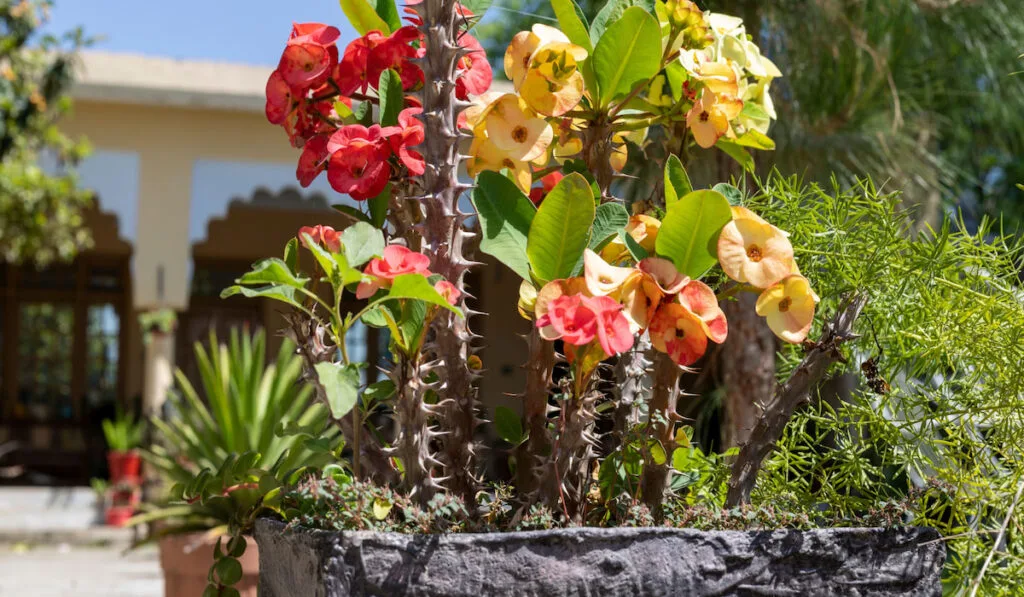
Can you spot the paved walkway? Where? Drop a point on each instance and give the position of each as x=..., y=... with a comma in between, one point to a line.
x=78, y=571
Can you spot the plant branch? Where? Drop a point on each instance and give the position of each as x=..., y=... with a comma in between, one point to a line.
x=790, y=396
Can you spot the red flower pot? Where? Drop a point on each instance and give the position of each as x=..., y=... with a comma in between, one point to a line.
x=116, y=516
x=124, y=467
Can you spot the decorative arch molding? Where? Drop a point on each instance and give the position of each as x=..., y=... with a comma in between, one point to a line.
x=114, y=177
x=217, y=185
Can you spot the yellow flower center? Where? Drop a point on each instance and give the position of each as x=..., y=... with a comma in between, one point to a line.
x=784, y=304
x=754, y=253
x=519, y=134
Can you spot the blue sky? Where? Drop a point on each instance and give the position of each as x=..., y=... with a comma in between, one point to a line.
x=246, y=31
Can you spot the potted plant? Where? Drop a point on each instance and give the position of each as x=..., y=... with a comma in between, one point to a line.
x=229, y=427
x=124, y=436
x=607, y=486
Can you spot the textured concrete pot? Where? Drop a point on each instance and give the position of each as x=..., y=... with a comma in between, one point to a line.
x=624, y=562
x=186, y=560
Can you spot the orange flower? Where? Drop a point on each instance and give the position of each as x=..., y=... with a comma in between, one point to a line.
x=753, y=251
x=709, y=117
x=678, y=333
x=643, y=229
x=702, y=302
x=788, y=308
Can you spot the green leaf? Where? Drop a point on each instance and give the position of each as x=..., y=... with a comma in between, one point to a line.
x=341, y=385
x=571, y=23
x=737, y=153
x=756, y=140
x=612, y=12
x=391, y=99
x=505, y=215
x=277, y=292
x=379, y=391
x=734, y=195
x=364, y=18
x=657, y=453
x=229, y=571
x=635, y=250
x=416, y=286
x=561, y=229
x=379, y=207
x=627, y=54
x=362, y=241
x=272, y=271
x=609, y=219
x=291, y=254
x=388, y=12
x=689, y=233
x=352, y=212
x=508, y=425
x=677, y=182
x=752, y=110
x=675, y=73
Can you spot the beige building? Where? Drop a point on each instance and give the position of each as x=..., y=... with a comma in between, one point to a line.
x=192, y=186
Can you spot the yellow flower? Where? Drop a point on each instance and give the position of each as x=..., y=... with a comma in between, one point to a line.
x=702, y=302
x=527, y=299
x=642, y=228
x=553, y=84
x=640, y=296
x=788, y=308
x=516, y=130
x=709, y=117
x=478, y=109
x=524, y=45
x=485, y=155
x=754, y=252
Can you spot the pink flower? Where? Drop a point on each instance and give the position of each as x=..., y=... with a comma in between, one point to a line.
x=547, y=182
x=448, y=291
x=396, y=261
x=474, y=71
x=410, y=135
x=571, y=318
x=321, y=235
x=677, y=332
x=664, y=272
x=612, y=326
x=358, y=165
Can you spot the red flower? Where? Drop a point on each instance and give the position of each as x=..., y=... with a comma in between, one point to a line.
x=448, y=291
x=396, y=261
x=300, y=119
x=310, y=56
x=321, y=235
x=474, y=71
x=410, y=135
x=313, y=160
x=358, y=165
x=547, y=182
x=280, y=101
x=367, y=57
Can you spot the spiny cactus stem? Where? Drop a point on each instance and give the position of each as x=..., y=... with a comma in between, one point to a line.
x=530, y=454
x=664, y=397
x=632, y=380
x=597, y=149
x=413, y=441
x=566, y=482
x=443, y=235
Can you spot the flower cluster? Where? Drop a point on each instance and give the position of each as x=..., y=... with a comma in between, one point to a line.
x=614, y=304
x=512, y=130
x=733, y=78
x=752, y=251
x=311, y=95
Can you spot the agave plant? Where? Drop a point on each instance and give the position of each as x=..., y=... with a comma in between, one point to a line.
x=123, y=433
x=247, y=413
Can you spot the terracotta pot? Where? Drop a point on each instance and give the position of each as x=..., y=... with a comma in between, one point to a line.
x=186, y=560
x=116, y=516
x=124, y=467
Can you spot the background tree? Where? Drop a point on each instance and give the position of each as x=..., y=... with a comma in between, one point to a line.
x=39, y=197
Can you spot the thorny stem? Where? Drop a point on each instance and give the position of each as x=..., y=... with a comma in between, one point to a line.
x=664, y=399
x=539, y=366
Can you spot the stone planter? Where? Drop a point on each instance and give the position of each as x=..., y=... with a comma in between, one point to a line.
x=633, y=562
x=186, y=560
